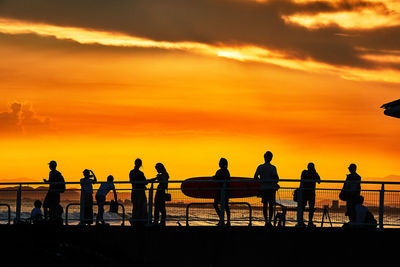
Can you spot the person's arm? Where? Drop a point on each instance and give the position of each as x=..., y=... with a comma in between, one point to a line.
x=94, y=177
x=115, y=194
x=257, y=174
x=318, y=178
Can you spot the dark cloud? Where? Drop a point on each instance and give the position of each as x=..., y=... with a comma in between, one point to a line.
x=217, y=22
x=22, y=120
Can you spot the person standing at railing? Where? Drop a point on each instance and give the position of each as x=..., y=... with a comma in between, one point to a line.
x=101, y=198
x=138, y=195
x=309, y=178
x=268, y=176
x=222, y=176
x=352, y=189
x=87, y=197
x=159, y=199
x=51, y=202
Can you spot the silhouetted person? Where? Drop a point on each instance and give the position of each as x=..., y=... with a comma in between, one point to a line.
x=268, y=176
x=223, y=176
x=36, y=213
x=159, y=199
x=87, y=197
x=363, y=217
x=101, y=195
x=352, y=188
x=138, y=195
x=52, y=199
x=308, y=179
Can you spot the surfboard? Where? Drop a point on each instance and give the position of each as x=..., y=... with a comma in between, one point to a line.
x=202, y=187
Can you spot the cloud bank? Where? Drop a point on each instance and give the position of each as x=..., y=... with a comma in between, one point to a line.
x=22, y=120
x=294, y=30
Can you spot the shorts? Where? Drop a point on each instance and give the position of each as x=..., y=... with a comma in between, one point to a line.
x=268, y=196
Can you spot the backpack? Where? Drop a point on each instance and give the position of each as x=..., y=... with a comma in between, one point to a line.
x=61, y=186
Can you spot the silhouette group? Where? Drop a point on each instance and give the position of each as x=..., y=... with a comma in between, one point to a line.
x=266, y=174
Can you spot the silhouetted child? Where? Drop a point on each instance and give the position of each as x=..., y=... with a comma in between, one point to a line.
x=87, y=197
x=222, y=175
x=159, y=199
x=36, y=213
x=101, y=195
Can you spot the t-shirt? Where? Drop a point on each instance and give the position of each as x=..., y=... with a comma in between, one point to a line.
x=87, y=185
x=309, y=175
x=268, y=176
x=36, y=213
x=54, y=177
x=105, y=188
x=137, y=176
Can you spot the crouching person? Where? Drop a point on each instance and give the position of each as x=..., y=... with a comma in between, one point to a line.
x=101, y=198
x=363, y=217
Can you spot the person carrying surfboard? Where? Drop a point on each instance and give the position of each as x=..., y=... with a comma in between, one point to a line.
x=222, y=175
x=267, y=175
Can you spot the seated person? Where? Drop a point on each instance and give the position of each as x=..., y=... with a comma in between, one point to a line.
x=36, y=213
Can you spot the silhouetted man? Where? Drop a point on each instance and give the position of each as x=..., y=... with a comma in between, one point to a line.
x=138, y=195
x=352, y=188
x=308, y=179
x=268, y=176
x=51, y=203
x=223, y=176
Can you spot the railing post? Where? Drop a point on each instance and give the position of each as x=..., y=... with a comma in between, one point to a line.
x=222, y=215
x=300, y=205
x=381, y=205
x=150, y=209
x=18, y=205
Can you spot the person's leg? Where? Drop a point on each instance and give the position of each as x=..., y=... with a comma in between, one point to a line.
x=271, y=206
x=265, y=209
x=100, y=212
x=311, y=204
x=163, y=209
x=156, y=207
x=228, y=212
x=46, y=207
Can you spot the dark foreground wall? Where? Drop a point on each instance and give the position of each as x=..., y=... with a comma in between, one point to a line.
x=28, y=245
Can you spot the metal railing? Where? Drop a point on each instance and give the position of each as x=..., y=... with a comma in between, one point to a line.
x=382, y=202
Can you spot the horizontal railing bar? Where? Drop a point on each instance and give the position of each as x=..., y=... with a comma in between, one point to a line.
x=233, y=179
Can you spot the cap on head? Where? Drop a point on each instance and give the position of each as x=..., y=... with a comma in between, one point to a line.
x=53, y=163
x=268, y=156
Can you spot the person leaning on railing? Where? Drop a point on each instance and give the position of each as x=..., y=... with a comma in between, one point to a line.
x=138, y=195
x=159, y=199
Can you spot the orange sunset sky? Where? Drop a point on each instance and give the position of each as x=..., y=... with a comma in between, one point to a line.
x=97, y=84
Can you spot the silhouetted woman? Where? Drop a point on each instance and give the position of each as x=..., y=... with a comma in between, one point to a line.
x=352, y=188
x=159, y=199
x=222, y=175
x=138, y=195
x=87, y=197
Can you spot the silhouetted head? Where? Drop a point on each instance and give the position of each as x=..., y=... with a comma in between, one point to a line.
x=52, y=165
x=86, y=173
x=311, y=166
x=160, y=168
x=138, y=163
x=360, y=200
x=268, y=156
x=110, y=178
x=37, y=204
x=223, y=163
x=353, y=168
